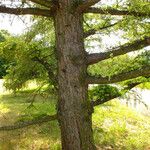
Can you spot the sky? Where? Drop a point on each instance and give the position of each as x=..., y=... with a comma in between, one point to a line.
x=19, y=24
x=14, y=24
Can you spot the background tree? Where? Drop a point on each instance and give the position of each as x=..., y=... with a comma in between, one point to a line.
x=72, y=29
x=3, y=61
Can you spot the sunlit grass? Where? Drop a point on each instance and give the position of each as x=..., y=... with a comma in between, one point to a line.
x=120, y=128
x=44, y=136
x=115, y=126
x=3, y=108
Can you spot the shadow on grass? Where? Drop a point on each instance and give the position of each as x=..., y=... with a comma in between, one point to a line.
x=44, y=136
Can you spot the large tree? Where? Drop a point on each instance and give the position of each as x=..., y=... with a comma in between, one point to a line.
x=74, y=109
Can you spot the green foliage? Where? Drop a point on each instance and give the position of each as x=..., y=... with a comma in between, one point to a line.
x=3, y=62
x=103, y=92
x=23, y=68
x=3, y=67
x=145, y=85
x=22, y=56
x=40, y=42
x=2, y=38
x=112, y=66
x=121, y=64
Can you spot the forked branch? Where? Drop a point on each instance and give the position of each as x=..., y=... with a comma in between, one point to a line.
x=123, y=49
x=39, y=120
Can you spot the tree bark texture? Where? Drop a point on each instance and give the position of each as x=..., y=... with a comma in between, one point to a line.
x=74, y=110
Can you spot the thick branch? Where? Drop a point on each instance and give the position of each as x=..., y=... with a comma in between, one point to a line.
x=93, y=31
x=126, y=48
x=86, y=4
x=26, y=11
x=29, y=123
x=144, y=71
x=113, y=11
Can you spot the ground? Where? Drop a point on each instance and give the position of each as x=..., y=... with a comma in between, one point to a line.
x=115, y=126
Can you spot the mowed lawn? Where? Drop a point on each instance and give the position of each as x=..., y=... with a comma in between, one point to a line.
x=115, y=126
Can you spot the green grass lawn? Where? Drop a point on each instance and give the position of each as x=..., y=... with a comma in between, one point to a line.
x=115, y=126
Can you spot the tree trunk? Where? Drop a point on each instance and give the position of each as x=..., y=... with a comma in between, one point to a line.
x=74, y=110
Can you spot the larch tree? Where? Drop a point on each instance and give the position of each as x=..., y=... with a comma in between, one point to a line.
x=74, y=109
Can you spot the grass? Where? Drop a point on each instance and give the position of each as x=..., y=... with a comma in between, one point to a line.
x=13, y=108
x=115, y=126
x=120, y=128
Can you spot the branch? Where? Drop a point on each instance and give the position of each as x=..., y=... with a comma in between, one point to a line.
x=144, y=71
x=119, y=94
x=86, y=4
x=47, y=66
x=93, y=31
x=113, y=11
x=126, y=48
x=27, y=11
x=29, y=123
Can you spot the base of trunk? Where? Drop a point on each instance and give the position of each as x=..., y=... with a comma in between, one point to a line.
x=76, y=132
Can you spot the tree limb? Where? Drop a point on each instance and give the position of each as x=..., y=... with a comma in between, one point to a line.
x=86, y=4
x=126, y=48
x=27, y=11
x=113, y=11
x=144, y=71
x=93, y=31
x=39, y=120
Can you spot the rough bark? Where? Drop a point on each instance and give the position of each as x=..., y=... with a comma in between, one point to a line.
x=74, y=111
